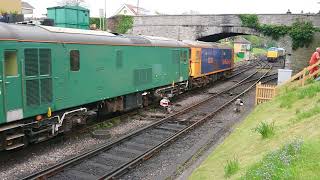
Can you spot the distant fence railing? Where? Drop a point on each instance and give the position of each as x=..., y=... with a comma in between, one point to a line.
x=303, y=75
x=264, y=92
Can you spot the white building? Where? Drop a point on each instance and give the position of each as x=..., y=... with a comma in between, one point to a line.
x=131, y=10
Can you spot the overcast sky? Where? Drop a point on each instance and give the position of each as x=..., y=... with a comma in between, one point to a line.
x=201, y=6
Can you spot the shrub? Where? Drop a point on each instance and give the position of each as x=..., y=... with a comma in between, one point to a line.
x=266, y=130
x=232, y=167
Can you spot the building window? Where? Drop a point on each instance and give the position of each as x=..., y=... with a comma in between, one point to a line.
x=125, y=12
x=74, y=60
x=11, y=64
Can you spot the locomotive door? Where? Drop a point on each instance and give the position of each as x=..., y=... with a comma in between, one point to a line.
x=2, y=109
x=12, y=85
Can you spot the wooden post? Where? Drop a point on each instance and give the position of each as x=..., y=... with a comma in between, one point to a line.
x=304, y=76
x=257, y=91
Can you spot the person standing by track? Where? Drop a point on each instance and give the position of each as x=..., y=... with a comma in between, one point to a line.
x=313, y=60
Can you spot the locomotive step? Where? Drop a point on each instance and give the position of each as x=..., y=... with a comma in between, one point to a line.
x=15, y=136
x=41, y=139
x=11, y=126
x=15, y=146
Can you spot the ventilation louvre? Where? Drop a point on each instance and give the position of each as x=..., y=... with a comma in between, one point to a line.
x=31, y=62
x=45, y=61
x=32, y=92
x=142, y=76
x=38, y=78
x=46, y=91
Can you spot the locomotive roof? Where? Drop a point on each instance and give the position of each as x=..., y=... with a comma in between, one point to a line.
x=29, y=33
x=203, y=44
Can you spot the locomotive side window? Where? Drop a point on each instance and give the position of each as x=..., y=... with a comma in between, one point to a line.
x=183, y=56
x=198, y=55
x=74, y=60
x=11, y=65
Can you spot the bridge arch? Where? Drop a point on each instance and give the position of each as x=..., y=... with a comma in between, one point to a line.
x=225, y=31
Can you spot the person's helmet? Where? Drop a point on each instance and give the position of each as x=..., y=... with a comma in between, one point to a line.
x=318, y=49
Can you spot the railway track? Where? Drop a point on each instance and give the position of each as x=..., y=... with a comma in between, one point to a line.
x=115, y=158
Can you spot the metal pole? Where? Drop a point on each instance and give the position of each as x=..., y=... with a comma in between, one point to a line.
x=138, y=7
x=105, y=14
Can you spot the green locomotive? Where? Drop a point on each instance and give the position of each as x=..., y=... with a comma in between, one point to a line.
x=51, y=77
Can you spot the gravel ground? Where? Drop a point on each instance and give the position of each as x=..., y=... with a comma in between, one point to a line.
x=170, y=162
x=14, y=165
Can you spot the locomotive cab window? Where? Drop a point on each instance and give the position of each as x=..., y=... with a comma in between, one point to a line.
x=74, y=60
x=11, y=64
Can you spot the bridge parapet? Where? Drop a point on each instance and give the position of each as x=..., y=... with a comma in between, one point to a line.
x=218, y=20
x=209, y=27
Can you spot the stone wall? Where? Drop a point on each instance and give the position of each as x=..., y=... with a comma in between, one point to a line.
x=300, y=57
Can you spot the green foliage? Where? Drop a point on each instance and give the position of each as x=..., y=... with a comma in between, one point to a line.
x=95, y=21
x=231, y=168
x=273, y=31
x=256, y=41
x=301, y=32
x=277, y=164
x=259, y=51
x=124, y=24
x=104, y=125
x=108, y=124
x=249, y=20
x=266, y=130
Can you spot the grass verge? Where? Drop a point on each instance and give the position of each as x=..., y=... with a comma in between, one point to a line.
x=251, y=150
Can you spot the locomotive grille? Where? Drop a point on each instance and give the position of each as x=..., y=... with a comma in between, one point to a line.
x=31, y=62
x=46, y=90
x=142, y=76
x=45, y=61
x=32, y=88
x=38, y=77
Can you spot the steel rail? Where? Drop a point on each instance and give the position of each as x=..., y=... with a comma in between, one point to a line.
x=114, y=174
x=59, y=167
